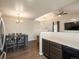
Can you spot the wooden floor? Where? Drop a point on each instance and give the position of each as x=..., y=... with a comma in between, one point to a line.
x=31, y=52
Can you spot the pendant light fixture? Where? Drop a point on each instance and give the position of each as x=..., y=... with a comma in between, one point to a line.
x=19, y=18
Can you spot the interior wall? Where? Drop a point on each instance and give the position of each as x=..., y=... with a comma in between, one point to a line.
x=46, y=26
x=33, y=28
x=26, y=27
x=67, y=18
x=41, y=27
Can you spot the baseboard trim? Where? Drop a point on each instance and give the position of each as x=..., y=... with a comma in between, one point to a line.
x=40, y=53
x=32, y=41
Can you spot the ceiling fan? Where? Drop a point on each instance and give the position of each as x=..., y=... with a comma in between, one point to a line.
x=61, y=12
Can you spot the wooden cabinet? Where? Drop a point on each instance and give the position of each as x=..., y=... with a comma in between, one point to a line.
x=45, y=48
x=70, y=53
x=55, y=51
x=51, y=50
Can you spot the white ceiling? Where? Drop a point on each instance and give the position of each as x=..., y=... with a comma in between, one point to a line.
x=34, y=8
x=73, y=8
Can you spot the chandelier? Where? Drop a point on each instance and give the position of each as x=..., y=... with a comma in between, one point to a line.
x=19, y=18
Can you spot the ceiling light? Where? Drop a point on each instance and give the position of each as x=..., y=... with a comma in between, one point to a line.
x=19, y=18
x=17, y=21
x=59, y=15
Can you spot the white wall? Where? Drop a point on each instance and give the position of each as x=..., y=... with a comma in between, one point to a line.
x=33, y=28
x=46, y=26
x=26, y=27
x=43, y=26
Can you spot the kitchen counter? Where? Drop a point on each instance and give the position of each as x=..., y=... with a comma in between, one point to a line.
x=64, y=38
